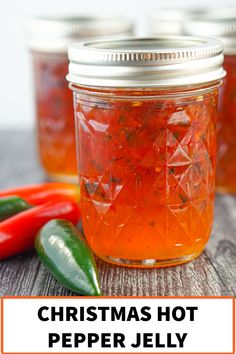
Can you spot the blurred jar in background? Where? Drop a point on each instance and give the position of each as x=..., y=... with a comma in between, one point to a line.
x=221, y=23
x=48, y=39
x=170, y=20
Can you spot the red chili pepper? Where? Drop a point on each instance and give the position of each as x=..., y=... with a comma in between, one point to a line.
x=17, y=233
x=45, y=192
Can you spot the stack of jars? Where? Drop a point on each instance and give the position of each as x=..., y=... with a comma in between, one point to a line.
x=145, y=121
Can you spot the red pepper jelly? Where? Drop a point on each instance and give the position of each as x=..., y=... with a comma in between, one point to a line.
x=221, y=23
x=48, y=41
x=146, y=113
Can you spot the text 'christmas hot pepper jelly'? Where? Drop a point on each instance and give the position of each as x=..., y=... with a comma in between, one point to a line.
x=146, y=117
x=48, y=39
x=221, y=23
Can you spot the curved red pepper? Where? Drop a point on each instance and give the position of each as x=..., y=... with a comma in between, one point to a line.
x=17, y=233
x=42, y=193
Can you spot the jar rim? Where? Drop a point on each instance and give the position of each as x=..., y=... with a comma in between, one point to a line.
x=146, y=62
x=146, y=93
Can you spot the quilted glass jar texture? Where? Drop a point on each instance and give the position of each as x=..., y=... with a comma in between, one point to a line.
x=146, y=118
x=55, y=116
x=147, y=172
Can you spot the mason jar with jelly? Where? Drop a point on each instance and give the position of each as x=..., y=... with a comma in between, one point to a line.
x=146, y=112
x=48, y=39
x=221, y=23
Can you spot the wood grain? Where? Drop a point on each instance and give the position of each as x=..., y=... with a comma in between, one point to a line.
x=213, y=273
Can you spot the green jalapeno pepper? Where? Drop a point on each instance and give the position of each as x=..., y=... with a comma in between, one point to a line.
x=67, y=257
x=12, y=205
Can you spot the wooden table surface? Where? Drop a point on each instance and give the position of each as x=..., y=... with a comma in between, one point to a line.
x=213, y=273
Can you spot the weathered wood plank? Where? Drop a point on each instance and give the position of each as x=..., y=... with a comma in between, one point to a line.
x=221, y=250
x=213, y=273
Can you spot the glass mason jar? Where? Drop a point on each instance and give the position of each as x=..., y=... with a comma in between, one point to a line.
x=145, y=114
x=221, y=23
x=48, y=39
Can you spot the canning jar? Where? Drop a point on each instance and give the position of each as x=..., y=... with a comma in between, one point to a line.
x=48, y=39
x=221, y=23
x=145, y=122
